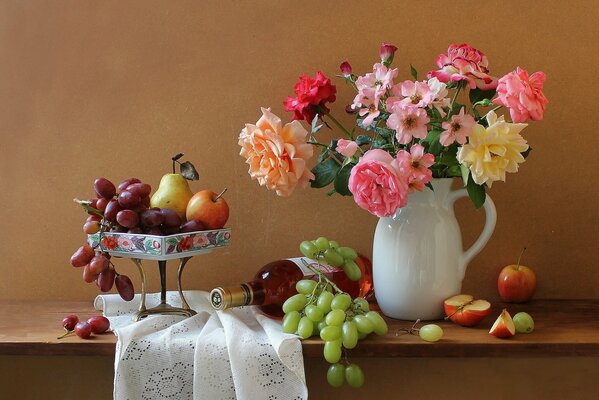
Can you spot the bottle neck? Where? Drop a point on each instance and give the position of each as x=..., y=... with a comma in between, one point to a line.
x=236, y=296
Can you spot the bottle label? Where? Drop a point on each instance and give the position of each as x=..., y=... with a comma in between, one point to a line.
x=304, y=262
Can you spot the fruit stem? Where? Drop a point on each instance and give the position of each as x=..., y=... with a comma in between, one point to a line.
x=322, y=276
x=65, y=334
x=219, y=195
x=519, y=258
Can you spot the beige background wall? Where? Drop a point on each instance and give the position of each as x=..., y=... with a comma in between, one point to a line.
x=114, y=88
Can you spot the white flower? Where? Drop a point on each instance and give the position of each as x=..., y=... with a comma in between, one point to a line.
x=493, y=151
x=439, y=93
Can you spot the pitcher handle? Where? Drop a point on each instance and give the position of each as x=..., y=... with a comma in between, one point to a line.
x=490, y=220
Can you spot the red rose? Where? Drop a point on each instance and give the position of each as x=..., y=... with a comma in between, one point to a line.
x=311, y=93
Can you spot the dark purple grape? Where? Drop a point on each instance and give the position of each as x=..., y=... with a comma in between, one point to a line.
x=171, y=218
x=104, y=188
x=152, y=217
x=135, y=231
x=127, y=218
x=125, y=287
x=154, y=231
x=98, y=264
x=192, y=226
x=106, y=280
x=82, y=256
x=140, y=189
x=171, y=230
x=112, y=209
x=123, y=185
x=129, y=200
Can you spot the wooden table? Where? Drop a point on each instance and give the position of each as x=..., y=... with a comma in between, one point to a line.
x=562, y=328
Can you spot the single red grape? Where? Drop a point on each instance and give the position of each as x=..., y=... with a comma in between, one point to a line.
x=69, y=322
x=125, y=287
x=82, y=256
x=83, y=330
x=99, y=324
x=104, y=188
x=124, y=184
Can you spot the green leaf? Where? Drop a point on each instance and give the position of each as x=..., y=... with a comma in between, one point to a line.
x=430, y=186
x=331, y=192
x=324, y=173
x=527, y=152
x=465, y=173
x=483, y=103
x=432, y=138
x=477, y=95
x=449, y=157
x=413, y=72
x=454, y=170
x=476, y=192
x=363, y=139
x=342, y=179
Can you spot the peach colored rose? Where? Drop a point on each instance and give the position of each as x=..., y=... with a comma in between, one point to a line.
x=276, y=154
x=377, y=184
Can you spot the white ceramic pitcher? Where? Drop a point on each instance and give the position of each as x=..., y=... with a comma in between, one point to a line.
x=418, y=260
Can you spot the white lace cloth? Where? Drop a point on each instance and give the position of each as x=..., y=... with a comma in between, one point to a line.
x=233, y=354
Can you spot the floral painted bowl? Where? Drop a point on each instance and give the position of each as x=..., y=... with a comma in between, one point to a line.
x=152, y=247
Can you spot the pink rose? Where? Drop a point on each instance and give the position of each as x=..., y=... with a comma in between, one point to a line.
x=387, y=52
x=377, y=185
x=346, y=147
x=463, y=62
x=345, y=68
x=276, y=154
x=522, y=95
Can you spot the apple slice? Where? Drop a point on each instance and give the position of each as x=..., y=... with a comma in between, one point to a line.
x=504, y=326
x=464, y=310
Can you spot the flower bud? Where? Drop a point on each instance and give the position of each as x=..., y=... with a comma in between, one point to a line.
x=387, y=52
x=345, y=69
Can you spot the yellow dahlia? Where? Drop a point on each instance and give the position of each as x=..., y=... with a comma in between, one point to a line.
x=493, y=151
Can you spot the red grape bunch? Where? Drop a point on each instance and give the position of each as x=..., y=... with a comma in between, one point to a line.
x=97, y=324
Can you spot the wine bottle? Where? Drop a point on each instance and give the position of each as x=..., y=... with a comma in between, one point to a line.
x=275, y=282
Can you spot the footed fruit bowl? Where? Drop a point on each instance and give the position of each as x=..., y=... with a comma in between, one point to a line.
x=182, y=246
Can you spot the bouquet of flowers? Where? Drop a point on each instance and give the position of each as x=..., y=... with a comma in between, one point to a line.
x=406, y=132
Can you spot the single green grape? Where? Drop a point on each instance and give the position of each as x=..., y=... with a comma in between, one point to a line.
x=305, y=286
x=322, y=243
x=331, y=332
x=348, y=253
x=379, y=325
x=341, y=302
x=363, y=324
x=305, y=328
x=333, y=258
x=332, y=351
x=308, y=249
x=324, y=301
x=362, y=335
x=361, y=305
x=352, y=270
x=333, y=244
x=335, y=317
x=314, y=313
x=524, y=322
x=319, y=327
x=291, y=321
x=336, y=375
x=354, y=375
x=295, y=303
x=431, y=333
x=350, y=334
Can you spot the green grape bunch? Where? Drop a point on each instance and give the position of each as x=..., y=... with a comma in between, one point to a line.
x=321, y=308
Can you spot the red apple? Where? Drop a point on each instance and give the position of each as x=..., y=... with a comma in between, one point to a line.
x=504, y=326
x=209, y=208
x=464, y=310
x=516, y=283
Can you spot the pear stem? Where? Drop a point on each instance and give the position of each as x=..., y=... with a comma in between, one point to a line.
x=219, y=195
x=519, y=258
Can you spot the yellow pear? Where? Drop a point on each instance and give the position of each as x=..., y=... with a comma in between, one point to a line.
x=174, y=193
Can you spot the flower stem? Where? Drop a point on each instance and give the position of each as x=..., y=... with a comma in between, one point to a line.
x=334, y=120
